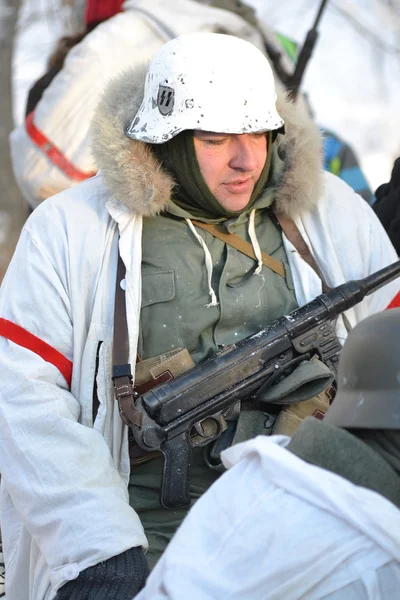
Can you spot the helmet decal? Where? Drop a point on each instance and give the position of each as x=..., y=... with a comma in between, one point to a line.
x=165, y=99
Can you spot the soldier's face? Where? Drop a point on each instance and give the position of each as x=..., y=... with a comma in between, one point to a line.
x=231, y=164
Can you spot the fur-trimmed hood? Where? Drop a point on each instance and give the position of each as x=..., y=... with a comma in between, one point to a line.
x=135, y=177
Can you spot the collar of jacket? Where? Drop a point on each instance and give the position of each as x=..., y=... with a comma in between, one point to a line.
x=340, y=452
x=134, y=176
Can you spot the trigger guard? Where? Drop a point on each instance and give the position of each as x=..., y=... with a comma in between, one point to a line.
x=200, y=438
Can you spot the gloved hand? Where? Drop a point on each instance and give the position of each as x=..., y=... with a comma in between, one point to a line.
x=120, y=577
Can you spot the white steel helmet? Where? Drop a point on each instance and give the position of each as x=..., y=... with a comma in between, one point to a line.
x=208, y=81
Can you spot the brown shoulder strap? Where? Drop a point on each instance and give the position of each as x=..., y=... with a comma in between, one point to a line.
x=244, y=247
x=120, y=336
x=122, y=376
x=294, y=236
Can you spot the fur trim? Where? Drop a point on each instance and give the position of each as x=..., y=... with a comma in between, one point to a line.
x=130, y=170
x=133, y=174
x=300, y=148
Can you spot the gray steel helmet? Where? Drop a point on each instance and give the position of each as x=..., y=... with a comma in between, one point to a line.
x=368, y=394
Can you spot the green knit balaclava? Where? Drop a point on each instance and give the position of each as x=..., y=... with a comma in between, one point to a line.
x=178, y=157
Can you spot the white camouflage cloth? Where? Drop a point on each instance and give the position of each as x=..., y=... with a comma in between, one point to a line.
x=274, y=527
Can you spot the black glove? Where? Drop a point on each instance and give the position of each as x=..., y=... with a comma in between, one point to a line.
x=121, y=577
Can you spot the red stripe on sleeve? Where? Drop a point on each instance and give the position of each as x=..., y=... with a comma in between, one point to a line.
x=53, y=153
x=27, y=340
x=395, y=303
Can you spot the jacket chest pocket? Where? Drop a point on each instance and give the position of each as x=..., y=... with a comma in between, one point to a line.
x=159, y=317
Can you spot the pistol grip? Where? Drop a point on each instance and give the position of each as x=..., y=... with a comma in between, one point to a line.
x=176, y=472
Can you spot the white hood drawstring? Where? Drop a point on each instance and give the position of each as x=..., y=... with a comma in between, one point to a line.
x=208, y=258
x=209, y=265
x=254, y=241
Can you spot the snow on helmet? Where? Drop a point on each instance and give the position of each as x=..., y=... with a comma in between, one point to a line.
x=368, y=394
x=207, y=81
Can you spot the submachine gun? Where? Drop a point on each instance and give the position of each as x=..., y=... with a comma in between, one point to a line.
x=171, y=414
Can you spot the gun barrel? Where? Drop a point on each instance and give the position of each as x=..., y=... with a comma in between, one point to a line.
x=374, y=282
x=339, y=299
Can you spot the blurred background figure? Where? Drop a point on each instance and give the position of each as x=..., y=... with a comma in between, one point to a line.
x=341, y=160
x=387, y=206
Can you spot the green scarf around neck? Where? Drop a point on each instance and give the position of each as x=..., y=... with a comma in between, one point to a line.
x=178, y=157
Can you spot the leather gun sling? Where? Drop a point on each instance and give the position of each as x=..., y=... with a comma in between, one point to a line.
x=122, y=376
x=294, y=236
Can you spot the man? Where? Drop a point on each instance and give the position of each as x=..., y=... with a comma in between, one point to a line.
x=315, y=516
x=201, y=143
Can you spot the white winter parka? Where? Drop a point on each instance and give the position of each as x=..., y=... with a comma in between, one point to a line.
x=64, y=502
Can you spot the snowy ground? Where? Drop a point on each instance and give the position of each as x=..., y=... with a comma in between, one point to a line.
x=353, y=79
